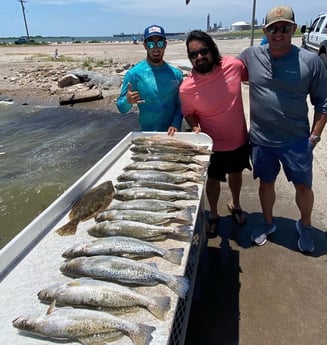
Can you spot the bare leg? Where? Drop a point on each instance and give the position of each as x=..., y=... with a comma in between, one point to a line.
x=304, y=199
x=267, y=199
x=235, y=185
x=213, y=193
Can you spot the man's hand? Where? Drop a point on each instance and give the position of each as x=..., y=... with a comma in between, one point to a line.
x=133, y=97
x=172, y=131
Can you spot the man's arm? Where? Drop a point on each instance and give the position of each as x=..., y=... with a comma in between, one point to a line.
x=193, y=122
x=319, y=122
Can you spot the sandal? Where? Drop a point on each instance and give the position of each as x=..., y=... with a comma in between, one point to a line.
x=211, y=225
x=238, y=215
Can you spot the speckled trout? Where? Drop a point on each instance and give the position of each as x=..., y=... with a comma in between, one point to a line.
x=148, y=217
x=168, y=157
x=192, y=189
x=148, y=232
x=164, y=166
x=171, y=142
x=123, y=270
x=102, y=295
x=152, y=193
x=165, y=149
x=88, y=327
x=124, y=246
x=153, y=205
x=160, y=176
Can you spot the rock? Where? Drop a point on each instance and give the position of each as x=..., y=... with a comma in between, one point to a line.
x=80, y=96
x=68, y=80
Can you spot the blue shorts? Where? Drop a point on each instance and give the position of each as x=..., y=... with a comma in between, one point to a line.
x=296, y=160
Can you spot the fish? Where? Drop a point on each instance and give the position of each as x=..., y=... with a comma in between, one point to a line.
x=101, y=295
x=89, y=327
x=142, y=231
x=124, y=246
x=125, y=271
x=153, y=205
x=148, y=217
x=165, y=149
x=151, y=193
x=168, y=157
x=164, y=166
x=157, y=185
x=89, y=205
x=160, y=176
x=168, y=141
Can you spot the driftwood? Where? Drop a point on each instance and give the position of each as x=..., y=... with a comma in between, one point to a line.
x=80, y=96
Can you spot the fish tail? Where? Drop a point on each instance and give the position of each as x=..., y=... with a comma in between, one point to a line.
x=68, y=229
x=174, y=255
x=184, y=232
x=186, y=216
x=199, y=162
x=197, y=178
x=193, y=189
x=160, y=307
x=142, y=336
x=179, y=285
x=203, y=150
x=192, y=208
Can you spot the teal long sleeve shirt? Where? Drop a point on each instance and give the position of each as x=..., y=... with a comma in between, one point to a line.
x=158, y=87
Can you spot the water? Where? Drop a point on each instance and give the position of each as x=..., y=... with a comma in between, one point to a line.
x=68, y=39
x=43, y=151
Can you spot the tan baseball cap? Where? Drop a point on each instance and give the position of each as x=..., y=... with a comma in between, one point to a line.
x=280, y=14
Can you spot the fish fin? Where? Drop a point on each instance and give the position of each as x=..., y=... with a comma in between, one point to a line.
x=74, y=283
x=160, y=308
x=179, y=285
x=51, y=307
x=69, y=228
x=174, y=255
x=143, y=335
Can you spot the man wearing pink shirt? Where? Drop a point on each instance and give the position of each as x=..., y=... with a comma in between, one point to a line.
x=211, y=101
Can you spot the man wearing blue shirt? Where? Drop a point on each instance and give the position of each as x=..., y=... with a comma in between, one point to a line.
x=153, y=85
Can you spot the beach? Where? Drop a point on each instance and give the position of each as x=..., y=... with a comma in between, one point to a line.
x=30, y=73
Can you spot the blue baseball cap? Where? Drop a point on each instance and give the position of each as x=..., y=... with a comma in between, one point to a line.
x=154, y=30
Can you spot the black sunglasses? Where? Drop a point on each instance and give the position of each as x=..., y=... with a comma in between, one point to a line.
x=284, y=29
x=202, y=52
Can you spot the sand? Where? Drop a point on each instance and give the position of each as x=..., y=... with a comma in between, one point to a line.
x=30, y=74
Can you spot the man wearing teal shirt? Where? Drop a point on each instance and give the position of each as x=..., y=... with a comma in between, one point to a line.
x=153, y=85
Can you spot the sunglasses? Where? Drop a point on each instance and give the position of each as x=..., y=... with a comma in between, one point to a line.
x=202, y=52
x=284, y=29
x=152, y=44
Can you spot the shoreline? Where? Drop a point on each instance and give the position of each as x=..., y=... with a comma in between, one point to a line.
x=30, y=73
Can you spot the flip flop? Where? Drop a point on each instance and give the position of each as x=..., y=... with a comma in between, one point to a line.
x=211, y=225
x=238, y=215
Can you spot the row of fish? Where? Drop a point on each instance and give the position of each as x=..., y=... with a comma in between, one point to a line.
x=102, y=268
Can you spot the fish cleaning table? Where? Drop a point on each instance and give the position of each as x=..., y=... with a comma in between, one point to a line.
x=31, y=261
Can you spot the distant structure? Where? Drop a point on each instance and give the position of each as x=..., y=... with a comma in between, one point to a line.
x=240, y=26
x=208, y=22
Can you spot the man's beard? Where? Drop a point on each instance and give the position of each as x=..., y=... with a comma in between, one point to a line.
x=204, y=66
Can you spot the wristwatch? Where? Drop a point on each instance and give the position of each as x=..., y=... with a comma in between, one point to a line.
x=314, y=139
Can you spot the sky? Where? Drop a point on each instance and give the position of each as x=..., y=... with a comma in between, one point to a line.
x=78, y=18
